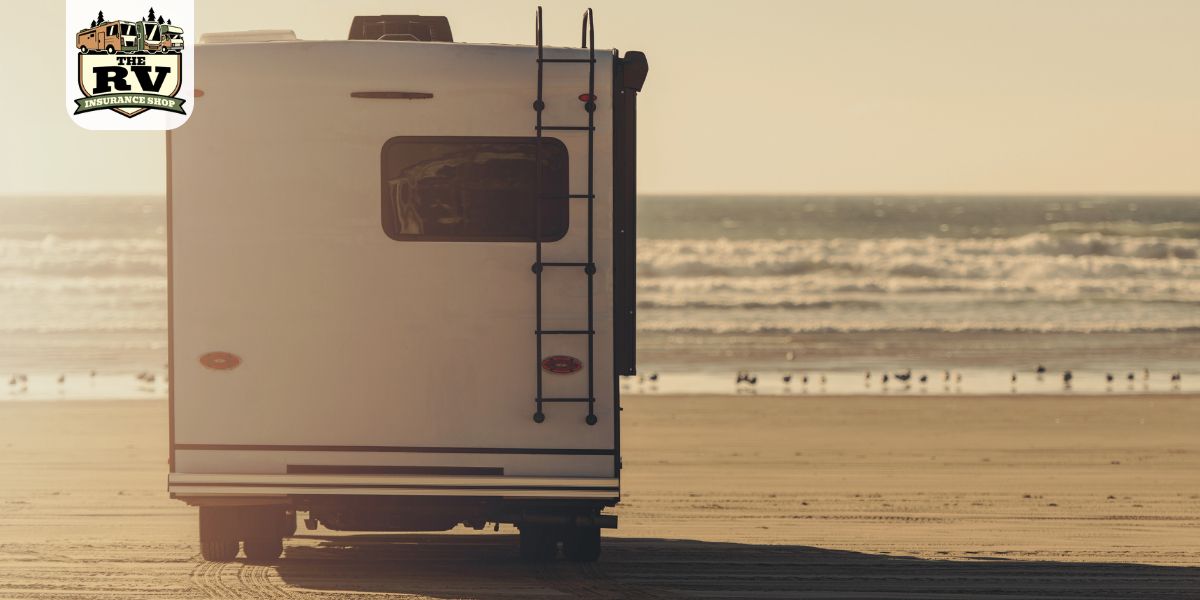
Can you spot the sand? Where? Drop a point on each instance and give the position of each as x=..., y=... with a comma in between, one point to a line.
x=724, y=497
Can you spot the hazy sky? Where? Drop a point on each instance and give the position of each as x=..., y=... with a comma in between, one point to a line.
x=856, y=96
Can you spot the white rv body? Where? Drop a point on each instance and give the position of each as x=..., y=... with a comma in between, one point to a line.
x=352, y=365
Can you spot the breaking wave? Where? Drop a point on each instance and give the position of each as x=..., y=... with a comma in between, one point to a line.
x=1033, y=255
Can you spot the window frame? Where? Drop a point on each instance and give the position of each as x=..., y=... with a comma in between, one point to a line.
x=385, y=195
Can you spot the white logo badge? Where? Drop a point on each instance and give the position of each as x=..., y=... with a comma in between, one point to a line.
x=129, y=67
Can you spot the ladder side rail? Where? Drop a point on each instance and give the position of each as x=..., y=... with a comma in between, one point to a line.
x=590, y=107
x=538, y=105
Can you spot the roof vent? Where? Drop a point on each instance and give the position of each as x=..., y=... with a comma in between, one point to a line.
x=258, y=35
x=423, y=29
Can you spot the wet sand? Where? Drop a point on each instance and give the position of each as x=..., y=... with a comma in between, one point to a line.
x=724, y=497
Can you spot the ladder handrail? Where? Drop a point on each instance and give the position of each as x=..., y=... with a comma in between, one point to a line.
x=589, y=23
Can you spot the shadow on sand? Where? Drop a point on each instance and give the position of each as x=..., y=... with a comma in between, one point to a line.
x=486, y=567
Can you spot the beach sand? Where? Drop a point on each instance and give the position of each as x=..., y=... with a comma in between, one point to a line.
x=724, y=497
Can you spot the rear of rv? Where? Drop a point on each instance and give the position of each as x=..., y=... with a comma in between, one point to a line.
x=379, y=289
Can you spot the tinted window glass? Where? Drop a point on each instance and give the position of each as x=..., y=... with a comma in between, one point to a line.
x=473, y=189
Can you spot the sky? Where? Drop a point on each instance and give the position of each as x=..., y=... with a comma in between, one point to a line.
x=769, y=97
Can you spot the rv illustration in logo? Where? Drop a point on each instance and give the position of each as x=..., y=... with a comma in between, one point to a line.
x=130, y=67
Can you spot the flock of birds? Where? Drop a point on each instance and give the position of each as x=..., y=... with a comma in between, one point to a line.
x=20, y=381
x=1109, y=378
x=748, y=380
x=906, y=376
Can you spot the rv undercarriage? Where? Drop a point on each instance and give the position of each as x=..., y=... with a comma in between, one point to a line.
x=260, y=527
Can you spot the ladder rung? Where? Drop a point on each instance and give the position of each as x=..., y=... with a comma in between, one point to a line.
x=565, y=264
x=565, y=128
x=567, y=400
x=565, y=332
x=567, y=60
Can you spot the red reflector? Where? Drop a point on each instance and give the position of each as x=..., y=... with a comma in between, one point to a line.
x=221, y=361
x=586, y=97
x=562, y=364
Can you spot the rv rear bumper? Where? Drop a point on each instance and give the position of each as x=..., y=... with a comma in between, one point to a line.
x=187, y=485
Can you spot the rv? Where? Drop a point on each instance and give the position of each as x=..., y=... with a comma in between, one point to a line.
x=401, y=285
x=130, y=36
x=172, y=39
x=110, y=38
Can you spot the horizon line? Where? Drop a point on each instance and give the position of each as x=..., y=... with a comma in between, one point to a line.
x=1181, y=195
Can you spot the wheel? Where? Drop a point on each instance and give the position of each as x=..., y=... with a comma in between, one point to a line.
x=83, y=50
x=538, y=543
x=582, y=544
x=223, y=551
x=110, y=50
x=263, y=549
x=289, y=523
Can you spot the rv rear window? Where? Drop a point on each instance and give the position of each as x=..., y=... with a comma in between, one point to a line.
x=473, y=189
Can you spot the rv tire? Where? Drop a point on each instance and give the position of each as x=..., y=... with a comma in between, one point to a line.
x=221, y=551
x=538, y=543
x=289, y=523
x=263, y=549
x=582, y=544
x=83, y=49
x=110, y=50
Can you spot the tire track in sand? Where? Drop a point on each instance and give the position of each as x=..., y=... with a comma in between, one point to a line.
x=208, y=578
x=257, y=580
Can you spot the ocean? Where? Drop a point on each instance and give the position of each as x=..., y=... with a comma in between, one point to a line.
x=967, y=291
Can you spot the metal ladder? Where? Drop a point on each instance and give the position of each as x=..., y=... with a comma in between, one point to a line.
x=589, y=267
